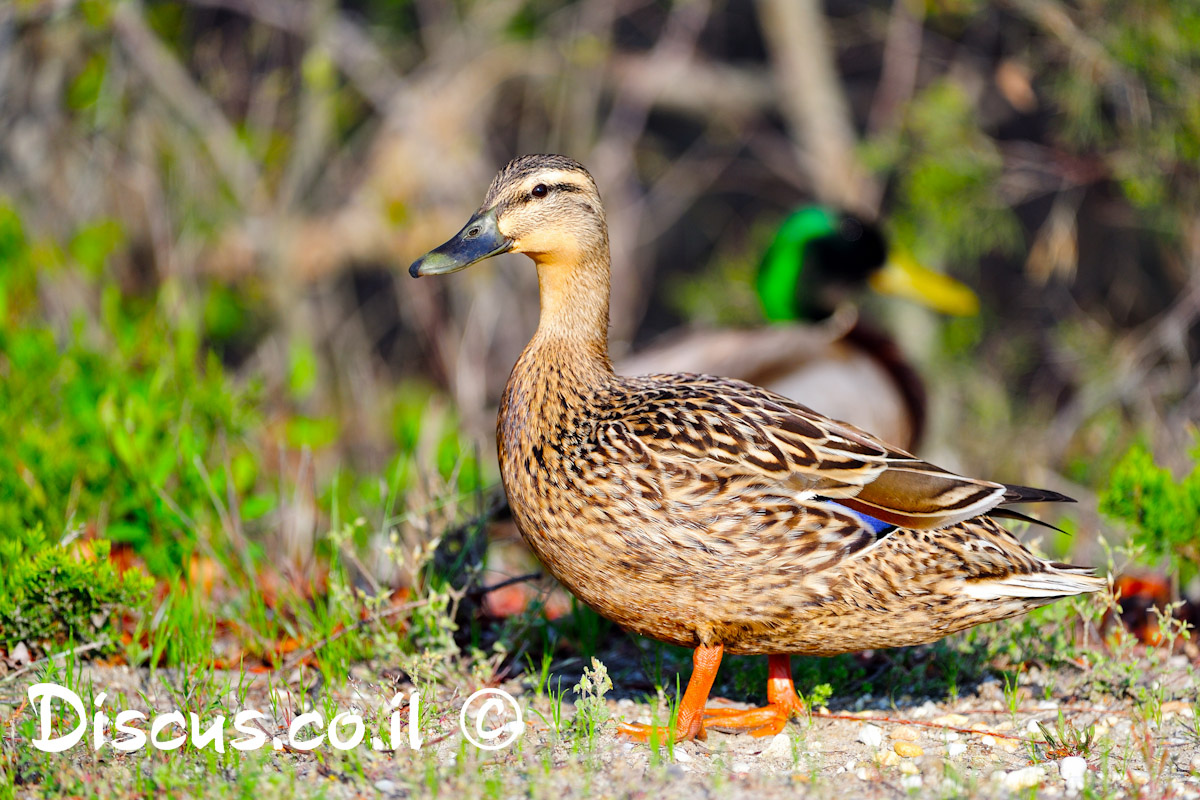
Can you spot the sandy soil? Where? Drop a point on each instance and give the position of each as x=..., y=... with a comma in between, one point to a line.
x=1144, y=745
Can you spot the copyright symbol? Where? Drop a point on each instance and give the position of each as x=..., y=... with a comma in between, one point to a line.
x=491, y=701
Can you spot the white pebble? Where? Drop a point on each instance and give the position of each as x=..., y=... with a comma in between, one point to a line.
x=740, y=766
x=780, y=747
x=682, y=755
x=871, y=735
x=923, y=711
x=385, y=786
x=1026, y=778
x=1072, y=769
x=956, y=749
x=910, y=782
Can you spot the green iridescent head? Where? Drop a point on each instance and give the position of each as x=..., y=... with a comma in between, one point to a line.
x=820, y=257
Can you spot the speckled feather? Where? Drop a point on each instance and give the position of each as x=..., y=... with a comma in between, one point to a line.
x=699, y=510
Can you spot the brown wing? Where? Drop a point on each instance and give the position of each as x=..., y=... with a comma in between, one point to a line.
x=734, y=428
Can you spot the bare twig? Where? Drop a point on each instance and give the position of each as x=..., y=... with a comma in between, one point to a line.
x=312, y=132
x=901, y=57
x=83, y=648
x=1053, y=18
x=354, y=52
x=378, y=616
x=812, y=101
x=613, y=158
x=710, y=90
x=480, y=591
x=197, y=109
x=922, y=724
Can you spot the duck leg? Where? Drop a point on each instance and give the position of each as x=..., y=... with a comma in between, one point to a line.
x=782, y=704
x=690, y=722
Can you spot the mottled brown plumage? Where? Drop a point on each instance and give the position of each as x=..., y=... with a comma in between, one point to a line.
x=711, y=513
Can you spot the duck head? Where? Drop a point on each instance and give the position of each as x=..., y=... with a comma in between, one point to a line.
x=546, y=206
x=819, y=258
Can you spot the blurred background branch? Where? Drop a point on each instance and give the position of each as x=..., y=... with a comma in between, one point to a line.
x=812, y=100
x=238, y=185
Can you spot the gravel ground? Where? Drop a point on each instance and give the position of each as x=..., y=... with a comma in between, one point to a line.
x=1146, y=744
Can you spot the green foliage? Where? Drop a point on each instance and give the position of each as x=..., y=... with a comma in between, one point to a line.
x=1163, y=511
x=51, y=595
x=723, y=293
x=112, y=427
x=591, y=712
x=96, y=438
x=948, y=173
x=1136, y=98
x=818, y=697
x=123, y=419
x=429, y=442
x=1064, y=741
x=85, y=89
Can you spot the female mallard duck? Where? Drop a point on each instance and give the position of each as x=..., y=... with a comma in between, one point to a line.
x=709, y=513
x=817, y=350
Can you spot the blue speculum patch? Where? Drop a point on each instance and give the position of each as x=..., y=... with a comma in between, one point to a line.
x=877, y=526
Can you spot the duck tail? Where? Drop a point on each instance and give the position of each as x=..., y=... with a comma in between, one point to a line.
x=1028, y=494
x=1037, y=588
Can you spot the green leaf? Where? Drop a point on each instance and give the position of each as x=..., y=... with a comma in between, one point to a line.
x=302, y=370
x=312, y=432
x=84, y=91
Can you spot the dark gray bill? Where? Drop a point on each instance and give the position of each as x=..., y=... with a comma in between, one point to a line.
x=479, y=239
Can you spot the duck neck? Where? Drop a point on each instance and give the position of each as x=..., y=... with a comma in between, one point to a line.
x=572, y=333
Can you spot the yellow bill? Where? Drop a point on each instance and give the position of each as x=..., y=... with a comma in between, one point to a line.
x=903, y=277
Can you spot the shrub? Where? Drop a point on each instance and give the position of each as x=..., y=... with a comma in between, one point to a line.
x=1163, y=511
x=52, y=594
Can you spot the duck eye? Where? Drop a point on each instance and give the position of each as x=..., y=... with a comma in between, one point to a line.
x=852, y=228
x=540, y=190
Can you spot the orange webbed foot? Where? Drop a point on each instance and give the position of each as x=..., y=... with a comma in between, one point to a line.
x=765, y=721
x=783, y=704
x=694, y=719
x=651, y=734
x=690, y=722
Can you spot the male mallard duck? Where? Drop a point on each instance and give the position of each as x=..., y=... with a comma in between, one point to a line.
x=817, y=351
x=710, y=513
